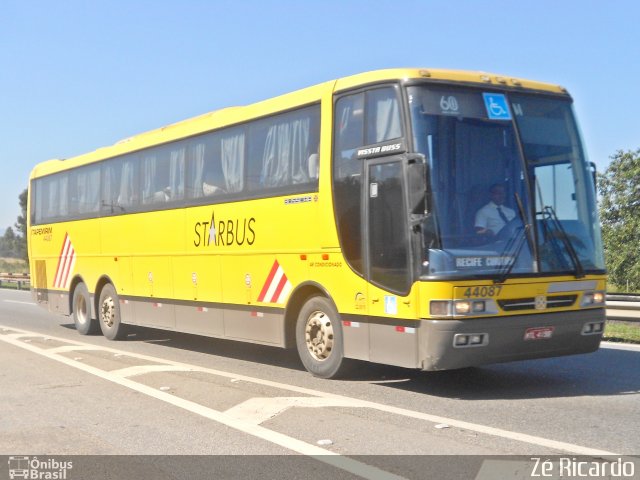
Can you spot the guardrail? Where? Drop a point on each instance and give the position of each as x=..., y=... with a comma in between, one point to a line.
x=623, y=307
x=21, y=280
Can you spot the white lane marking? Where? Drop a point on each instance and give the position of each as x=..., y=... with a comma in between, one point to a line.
x=72, y=348
x=136, y=370
x=326, y=456
x=21, y=335
x=520, y=437
x=20, y=302
x=259, y=410
x=631, y=347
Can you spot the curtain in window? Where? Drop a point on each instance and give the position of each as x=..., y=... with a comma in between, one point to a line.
x=176, y=173
x=88, y=190
x=64, y=195
x=111, y=175
x=388, y=119
x=286, y=153
x=127, y=184
x=196, y=166
x=148, y=179
x=106, y=201
x=54, y=204
x=232, y=157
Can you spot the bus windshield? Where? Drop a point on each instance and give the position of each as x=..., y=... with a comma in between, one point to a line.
x=495, y=213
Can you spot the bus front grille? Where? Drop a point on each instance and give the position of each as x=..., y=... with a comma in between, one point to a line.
x=529, y=303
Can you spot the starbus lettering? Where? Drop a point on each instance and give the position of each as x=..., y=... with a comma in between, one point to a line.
x=224, y=232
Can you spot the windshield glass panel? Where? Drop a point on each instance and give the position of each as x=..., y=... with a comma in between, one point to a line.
x=566, y=213
x=481, y=204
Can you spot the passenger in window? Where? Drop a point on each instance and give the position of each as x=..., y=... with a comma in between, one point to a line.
x=492, y=218
x=314, y=166
x=163, y=195
x=210, y=185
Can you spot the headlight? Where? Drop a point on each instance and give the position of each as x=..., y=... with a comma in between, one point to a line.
x=593, y=299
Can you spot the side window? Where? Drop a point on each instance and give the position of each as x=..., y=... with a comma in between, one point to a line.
x=232, y=159
x=215, y=163
x=128, y=183
x=349, y=127
x=364, y=119
x=52, y=198
x=204, y=175
x=388, y=239
x=177, y=160
x=283, y=150
x=111, y=172
x=84, y=191
x=383, y=115
x=163, y=173
x=347, y=176
x=155, y=176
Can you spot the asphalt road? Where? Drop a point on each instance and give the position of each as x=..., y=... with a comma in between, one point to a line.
x=165, y=393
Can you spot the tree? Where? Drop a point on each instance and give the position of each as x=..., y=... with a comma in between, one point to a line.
x=21, y=225
x=8, y=243
x=619, y=188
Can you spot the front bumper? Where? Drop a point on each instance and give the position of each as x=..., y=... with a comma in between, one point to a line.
x=506, y=339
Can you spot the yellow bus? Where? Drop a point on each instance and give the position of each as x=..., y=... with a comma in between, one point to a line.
x=428, y=219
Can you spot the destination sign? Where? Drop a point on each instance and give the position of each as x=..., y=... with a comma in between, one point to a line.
x=483, y=262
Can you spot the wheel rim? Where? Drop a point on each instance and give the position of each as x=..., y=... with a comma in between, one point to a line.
x=108, y=311
x=82, y=313
x=319, y=335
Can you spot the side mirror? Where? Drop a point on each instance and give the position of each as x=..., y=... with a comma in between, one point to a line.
x=417, y=184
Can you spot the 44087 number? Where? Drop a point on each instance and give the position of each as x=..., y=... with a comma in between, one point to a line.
x=478, y=292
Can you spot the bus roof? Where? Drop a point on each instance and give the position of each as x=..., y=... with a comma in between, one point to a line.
x=235, y=115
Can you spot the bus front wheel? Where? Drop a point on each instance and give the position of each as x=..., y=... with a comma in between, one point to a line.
x=109, y=314
x=319, y=338
x=81, y=311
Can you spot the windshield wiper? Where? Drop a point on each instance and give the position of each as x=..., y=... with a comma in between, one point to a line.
x=506, y=270
x=549, y=213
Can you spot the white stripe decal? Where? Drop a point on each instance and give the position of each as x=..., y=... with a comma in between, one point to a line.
x=66, y=264
x=274, y=284
x=285, y=292
x=62, y=260
x=72, y=265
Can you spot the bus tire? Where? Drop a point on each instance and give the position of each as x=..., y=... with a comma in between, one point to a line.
x=81, y=311
x=319, y=338
x=109, y=314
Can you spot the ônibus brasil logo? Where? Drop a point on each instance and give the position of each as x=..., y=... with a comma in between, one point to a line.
x=36, y=469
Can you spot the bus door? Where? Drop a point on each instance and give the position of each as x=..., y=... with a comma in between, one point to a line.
x=392, y=335
x=369, y=200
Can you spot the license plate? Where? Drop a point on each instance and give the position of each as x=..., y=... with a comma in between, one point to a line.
x=539, y=333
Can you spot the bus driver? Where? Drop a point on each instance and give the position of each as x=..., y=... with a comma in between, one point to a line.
x=491, y=218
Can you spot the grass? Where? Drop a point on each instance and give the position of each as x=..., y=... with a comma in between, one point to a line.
x=13, y=265
x=612, y=288
x=622, y=332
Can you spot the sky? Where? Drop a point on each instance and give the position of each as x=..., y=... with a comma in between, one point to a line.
x=78, y=75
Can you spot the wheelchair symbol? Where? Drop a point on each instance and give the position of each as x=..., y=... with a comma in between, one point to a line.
x=496, y=105
x=496, y=109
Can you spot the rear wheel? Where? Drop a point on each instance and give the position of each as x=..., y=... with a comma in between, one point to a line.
x=109, y=314
x=81, y=311
x=319, y=338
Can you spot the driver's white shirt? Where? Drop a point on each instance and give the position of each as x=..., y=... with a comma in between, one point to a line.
x=489, y=218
